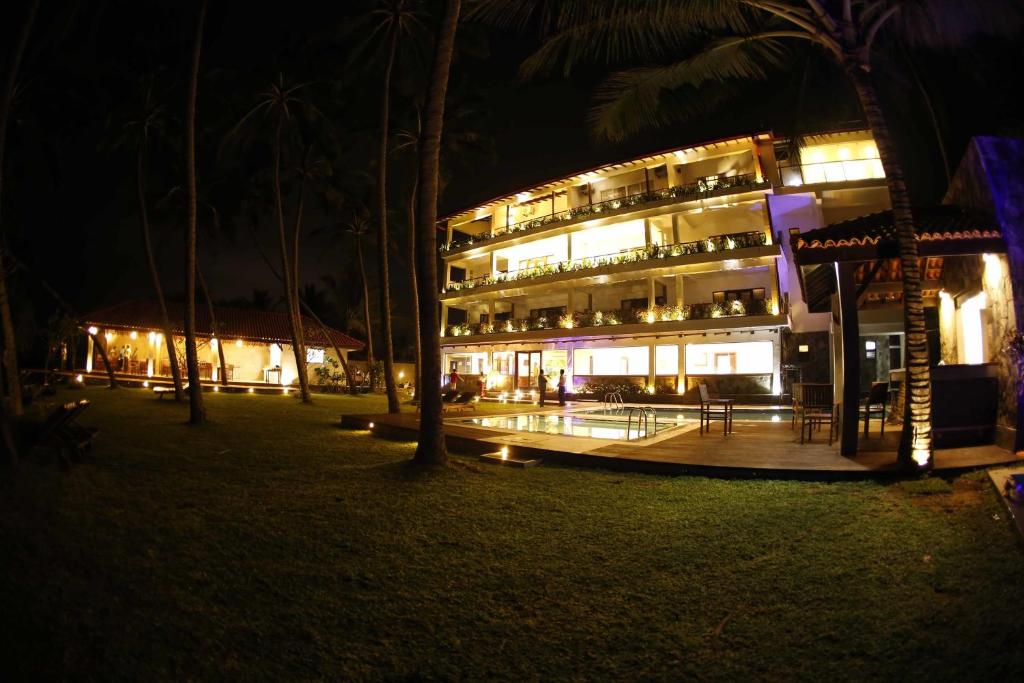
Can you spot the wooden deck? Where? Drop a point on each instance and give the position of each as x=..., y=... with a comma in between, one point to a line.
x=754, y=449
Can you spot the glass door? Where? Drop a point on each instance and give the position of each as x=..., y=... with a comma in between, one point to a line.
x=527, y=369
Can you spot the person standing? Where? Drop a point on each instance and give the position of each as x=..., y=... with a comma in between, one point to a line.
x=561, y=387
x=542, y=381
x=455, y=379
x=481, y=385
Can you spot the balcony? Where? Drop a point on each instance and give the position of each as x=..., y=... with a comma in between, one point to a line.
x=842, y=171
x=656, y=319
x=705, y=187
x=716, y=244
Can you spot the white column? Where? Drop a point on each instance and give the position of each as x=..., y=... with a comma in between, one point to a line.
x=444, y=319
x=490, y=311
x=650, y=292
x=777, y=364
x=89, y=354
x=651, y=363
x=647, y=232
x=681, y=369
x=679, y=290
x=494, y=264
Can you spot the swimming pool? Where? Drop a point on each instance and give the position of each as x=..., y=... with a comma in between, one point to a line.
x=576, y=424
x=674, y=415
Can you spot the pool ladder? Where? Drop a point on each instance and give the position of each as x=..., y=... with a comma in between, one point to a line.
x=613, y=401
x=643, y=412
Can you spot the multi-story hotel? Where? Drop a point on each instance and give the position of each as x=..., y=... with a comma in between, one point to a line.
x=660, y=272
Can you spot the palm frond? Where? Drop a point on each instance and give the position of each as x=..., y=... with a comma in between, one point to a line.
x=632, y=100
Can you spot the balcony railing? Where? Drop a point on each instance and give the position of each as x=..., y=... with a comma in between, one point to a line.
x=738, y=240
x=651, y=316
x=794, y=175
x=701, y=188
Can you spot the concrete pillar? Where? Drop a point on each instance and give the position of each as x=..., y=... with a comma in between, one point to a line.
x=851, y=357
x=444, y=319
x=89, y=353
x=650, y=292
x=494, y=264
x=490, y=311
x=679, y=291
x=647, y=232
x=568, y=247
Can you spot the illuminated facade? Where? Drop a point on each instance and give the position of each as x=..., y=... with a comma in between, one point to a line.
x=656, y=273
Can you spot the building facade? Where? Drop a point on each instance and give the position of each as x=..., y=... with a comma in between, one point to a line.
x=256, y=344
x=654, y=274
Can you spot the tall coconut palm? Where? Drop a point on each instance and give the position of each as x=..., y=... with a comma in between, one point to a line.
x=431, y=447
x=686, y=45
x=358, y=226
x=396, y=17
x=137, y=132
x=10, y=352
x=280, y=102
x=197, y=413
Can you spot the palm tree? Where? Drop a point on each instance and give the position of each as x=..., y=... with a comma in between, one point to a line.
x=10, y=353
x=742, y=40
x=396, y=17
x=214, y=328
x=197, y=413
x=358, y=226
x=137, y=132
x=431, y=447
x=278, y=101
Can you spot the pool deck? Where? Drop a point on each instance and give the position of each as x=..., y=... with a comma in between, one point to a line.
x=754, y=449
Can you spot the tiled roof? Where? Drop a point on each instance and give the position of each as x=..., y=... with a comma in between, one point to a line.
x=933, y=223
x=233, y=323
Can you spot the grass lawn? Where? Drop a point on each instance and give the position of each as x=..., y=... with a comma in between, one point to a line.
x=272, y=544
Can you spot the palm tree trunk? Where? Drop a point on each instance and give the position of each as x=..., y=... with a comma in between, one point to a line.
x=327, y=335
x=197, y=413
x=286, y=268
x=366, y=312
x=214, y=328
x=382, y=229
x=300, y=337
x=431, y=447
x=916, y=443
x=105, y=358
x=10, y=353
x=179, y=394
x=415, y=286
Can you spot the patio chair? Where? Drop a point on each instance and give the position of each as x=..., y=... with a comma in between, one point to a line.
x=59, y=432
x=449, y=396
x=817, y=410
x=466, y=401
x=875, y=403
x=74, y=435
x=714, y=409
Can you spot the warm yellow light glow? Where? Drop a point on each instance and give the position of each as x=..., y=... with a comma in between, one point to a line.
x=370, y=425
x=650, y=389
x=134, y=334
x=284, y=391
x=251, y=390
x=238, y=343
x=650, y=316
x=93, y=329
x=401, y=374
x=504, y=452
x=518, y=394
x=844, y=153
x=79, y=379
x=152, y=337
x=109, y=336
x=213, y=343
x=216, y=388
x=773, y=307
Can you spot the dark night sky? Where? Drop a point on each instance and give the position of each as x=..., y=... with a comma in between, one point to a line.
x=70, y=205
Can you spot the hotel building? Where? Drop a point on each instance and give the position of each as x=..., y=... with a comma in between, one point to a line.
x=656, y=273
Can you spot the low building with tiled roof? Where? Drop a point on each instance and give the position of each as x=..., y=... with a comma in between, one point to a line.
x=257, y=344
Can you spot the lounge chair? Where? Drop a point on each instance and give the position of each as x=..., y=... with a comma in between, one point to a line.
x=447, y=398
x=466, y=401
x=160, y=392
x=59, y=431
